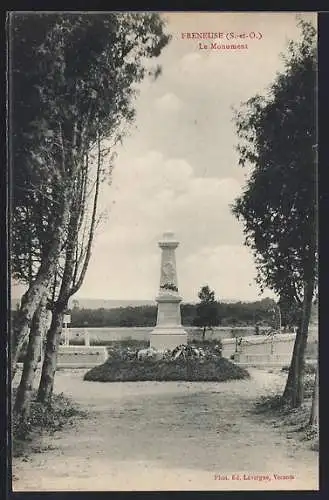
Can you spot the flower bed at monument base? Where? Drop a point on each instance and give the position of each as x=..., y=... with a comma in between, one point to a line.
x=192, y=370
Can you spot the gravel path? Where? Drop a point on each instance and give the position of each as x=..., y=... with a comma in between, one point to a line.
x=169, y=436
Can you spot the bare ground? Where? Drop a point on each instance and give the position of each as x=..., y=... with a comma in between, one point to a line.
x=169, y=436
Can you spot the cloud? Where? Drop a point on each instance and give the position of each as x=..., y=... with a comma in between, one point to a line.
x=178, y=168
x=228, y=269
x=168, y=103
x=154, y=193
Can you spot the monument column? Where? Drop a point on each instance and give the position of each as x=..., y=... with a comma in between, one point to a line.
x=168, y=332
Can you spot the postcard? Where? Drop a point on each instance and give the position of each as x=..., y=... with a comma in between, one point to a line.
x=163, y=251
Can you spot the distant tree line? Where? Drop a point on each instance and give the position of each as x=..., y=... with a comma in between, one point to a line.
x=230, y=314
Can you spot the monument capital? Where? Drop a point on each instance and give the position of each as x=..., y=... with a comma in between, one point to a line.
x=168, y=240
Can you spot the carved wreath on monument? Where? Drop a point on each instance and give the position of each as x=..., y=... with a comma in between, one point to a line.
x=168, y=277
x=169, y=286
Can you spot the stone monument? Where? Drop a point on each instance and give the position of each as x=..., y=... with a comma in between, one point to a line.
x=168, y=332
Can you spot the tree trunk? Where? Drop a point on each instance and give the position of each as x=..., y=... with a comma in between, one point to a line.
x=314, y=418
x=70, y=283
x=50, y=356
x=49, y=366
x=204, y=334
x=24, y=392
x=293, y=393
x=32, y=297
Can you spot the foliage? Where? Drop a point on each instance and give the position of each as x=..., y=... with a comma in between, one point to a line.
x=130, y=350
x=277, y=138
x=197, y=370
x=151, y=353
x=52, y=417
x=74, y=81
x=279, y=204
x=290, y=310
x=308, y=369
x=296, y=420
x=275, y=401
x=231, y=314
x=74, y=78
x=207, y=311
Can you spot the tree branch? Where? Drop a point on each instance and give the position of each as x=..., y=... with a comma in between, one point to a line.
x=76, y=287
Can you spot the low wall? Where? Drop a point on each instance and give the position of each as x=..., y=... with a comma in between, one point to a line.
x=81, y=356
x=261, y=348
x=76, y=356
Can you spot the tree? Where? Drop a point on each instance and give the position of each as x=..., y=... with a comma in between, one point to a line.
x=75, y=305
x=290, y=311
x=278, y=207
x=77, y=254
x=74, y=79
x=25, y=388
x=314, y=417
x=207, y=310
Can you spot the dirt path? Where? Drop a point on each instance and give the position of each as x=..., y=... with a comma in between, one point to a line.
x=169, y=436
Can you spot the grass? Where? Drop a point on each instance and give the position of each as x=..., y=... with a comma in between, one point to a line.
x=309, y=369
x=273, y=402
x=295, y=421
x=193, y=370
x=61, y=412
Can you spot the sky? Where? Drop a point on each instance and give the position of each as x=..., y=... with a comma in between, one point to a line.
x=178, y=168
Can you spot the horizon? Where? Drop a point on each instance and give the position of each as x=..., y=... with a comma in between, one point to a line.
x=138, y=302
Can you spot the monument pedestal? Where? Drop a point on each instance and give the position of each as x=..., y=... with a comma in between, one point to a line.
x=168, y=332
x=162, y=339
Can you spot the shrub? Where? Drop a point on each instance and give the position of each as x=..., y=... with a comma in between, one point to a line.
x=125, y=350
x=309, y=368
x=51, y=417
x=270, y=403
x=274, y=402
x=308, y=385
x=215, y=370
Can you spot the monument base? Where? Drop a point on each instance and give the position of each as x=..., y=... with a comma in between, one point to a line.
x=167, y=338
